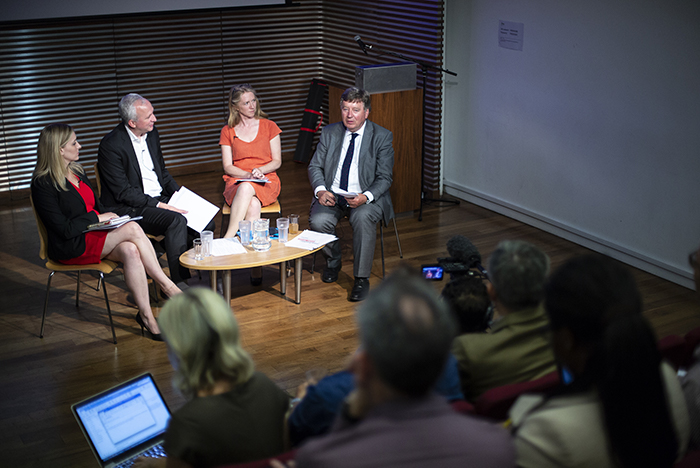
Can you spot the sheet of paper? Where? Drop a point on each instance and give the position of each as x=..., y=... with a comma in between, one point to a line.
x=230, y=246
x=309, y=240
x=343, y=193
x=199, y=211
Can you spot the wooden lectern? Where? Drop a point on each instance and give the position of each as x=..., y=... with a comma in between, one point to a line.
x=400, y=112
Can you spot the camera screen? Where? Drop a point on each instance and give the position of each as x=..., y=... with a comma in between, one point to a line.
x=432, y=272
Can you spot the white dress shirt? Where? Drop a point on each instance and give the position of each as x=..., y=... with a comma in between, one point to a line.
x=151, y=185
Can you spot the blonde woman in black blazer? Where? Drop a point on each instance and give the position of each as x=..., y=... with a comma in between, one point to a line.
x=66, y=204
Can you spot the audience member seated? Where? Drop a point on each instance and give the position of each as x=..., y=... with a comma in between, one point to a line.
x=234, y=414
x=518, y=348
x=691, y=381
x=319, y=402
x=623, y=407
x=392, y=418
x=250, y=149
x=67, y=205
x=469, y=301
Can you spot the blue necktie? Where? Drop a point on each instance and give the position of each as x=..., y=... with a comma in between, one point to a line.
x=345, y=171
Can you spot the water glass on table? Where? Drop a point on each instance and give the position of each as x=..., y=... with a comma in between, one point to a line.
x=244, y=229
x=207, y=241
x=283, y=229
x=293, y=223
x=197, y=246
x=261, y=235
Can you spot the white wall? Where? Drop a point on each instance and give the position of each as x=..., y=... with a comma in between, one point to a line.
x=591, y=132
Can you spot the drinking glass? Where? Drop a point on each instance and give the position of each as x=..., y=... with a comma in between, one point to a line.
x=283, y=229
x=244, y=228
x=293, y=223
x=207, y=241
x=197, y=243
x=261, y=234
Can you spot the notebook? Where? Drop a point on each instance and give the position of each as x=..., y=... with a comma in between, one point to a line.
x=125, y=421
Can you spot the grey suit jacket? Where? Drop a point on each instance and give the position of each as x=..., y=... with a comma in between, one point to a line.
x=122, y=184
x=376, y=164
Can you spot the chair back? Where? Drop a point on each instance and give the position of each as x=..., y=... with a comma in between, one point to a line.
x=43, y=236
x=98, y=182
x=496, y=402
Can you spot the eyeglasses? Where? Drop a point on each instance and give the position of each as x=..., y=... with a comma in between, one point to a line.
x=693, y=259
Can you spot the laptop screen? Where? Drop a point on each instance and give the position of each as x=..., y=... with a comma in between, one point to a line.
x=123, y=417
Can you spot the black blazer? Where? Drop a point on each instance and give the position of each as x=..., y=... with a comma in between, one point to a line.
x=120, y=173
x=65, y=217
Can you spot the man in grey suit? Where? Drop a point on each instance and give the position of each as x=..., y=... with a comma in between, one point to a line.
x=351, y=173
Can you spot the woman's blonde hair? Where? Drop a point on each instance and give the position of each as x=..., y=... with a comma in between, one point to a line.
x=49, y=162
x=234, y=97
x=202, y=336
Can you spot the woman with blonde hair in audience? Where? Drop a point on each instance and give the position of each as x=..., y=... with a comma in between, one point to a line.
x=67, y=205
x=234, y=414
x=621, y=406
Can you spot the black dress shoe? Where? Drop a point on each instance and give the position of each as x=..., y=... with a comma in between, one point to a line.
x=359, y=290
x=330, y=275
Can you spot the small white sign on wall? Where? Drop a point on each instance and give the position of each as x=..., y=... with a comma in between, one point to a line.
x=510, y=35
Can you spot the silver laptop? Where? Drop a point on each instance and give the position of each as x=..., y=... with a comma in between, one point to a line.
x=124, y=422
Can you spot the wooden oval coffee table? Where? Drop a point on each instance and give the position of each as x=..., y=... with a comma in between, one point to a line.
x=278, y=254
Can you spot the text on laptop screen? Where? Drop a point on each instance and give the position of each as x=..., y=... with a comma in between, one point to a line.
x=124, y=417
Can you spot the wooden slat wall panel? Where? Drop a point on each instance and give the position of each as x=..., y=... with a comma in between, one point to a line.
x=49, y=74
x=76, y=71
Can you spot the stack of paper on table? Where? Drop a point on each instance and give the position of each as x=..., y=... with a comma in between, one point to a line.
x=310, y=240
x=199, y=211
x=229, y=246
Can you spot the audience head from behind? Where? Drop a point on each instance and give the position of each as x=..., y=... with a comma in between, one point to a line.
x=468, y=299
x=405, y=337
x=517, y=274
x=203, y=342
x=239, y=95
x=600, y=335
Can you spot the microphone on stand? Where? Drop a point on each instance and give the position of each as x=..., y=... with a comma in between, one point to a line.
x=362, y=45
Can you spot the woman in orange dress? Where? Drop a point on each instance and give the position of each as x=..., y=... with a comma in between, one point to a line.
x=250, y=149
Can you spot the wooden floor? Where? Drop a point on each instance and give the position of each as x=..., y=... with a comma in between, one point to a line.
x=41, y=378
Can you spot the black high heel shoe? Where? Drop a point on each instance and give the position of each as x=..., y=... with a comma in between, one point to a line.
x=154, y=336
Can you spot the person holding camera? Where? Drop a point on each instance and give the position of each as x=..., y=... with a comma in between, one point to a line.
x=517, y=348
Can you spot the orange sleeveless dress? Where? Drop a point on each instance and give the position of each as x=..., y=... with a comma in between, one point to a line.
x=248, y=156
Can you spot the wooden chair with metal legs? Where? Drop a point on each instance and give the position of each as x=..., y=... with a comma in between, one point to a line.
x=104, y=267
x=274, y=208
x=381, y=241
